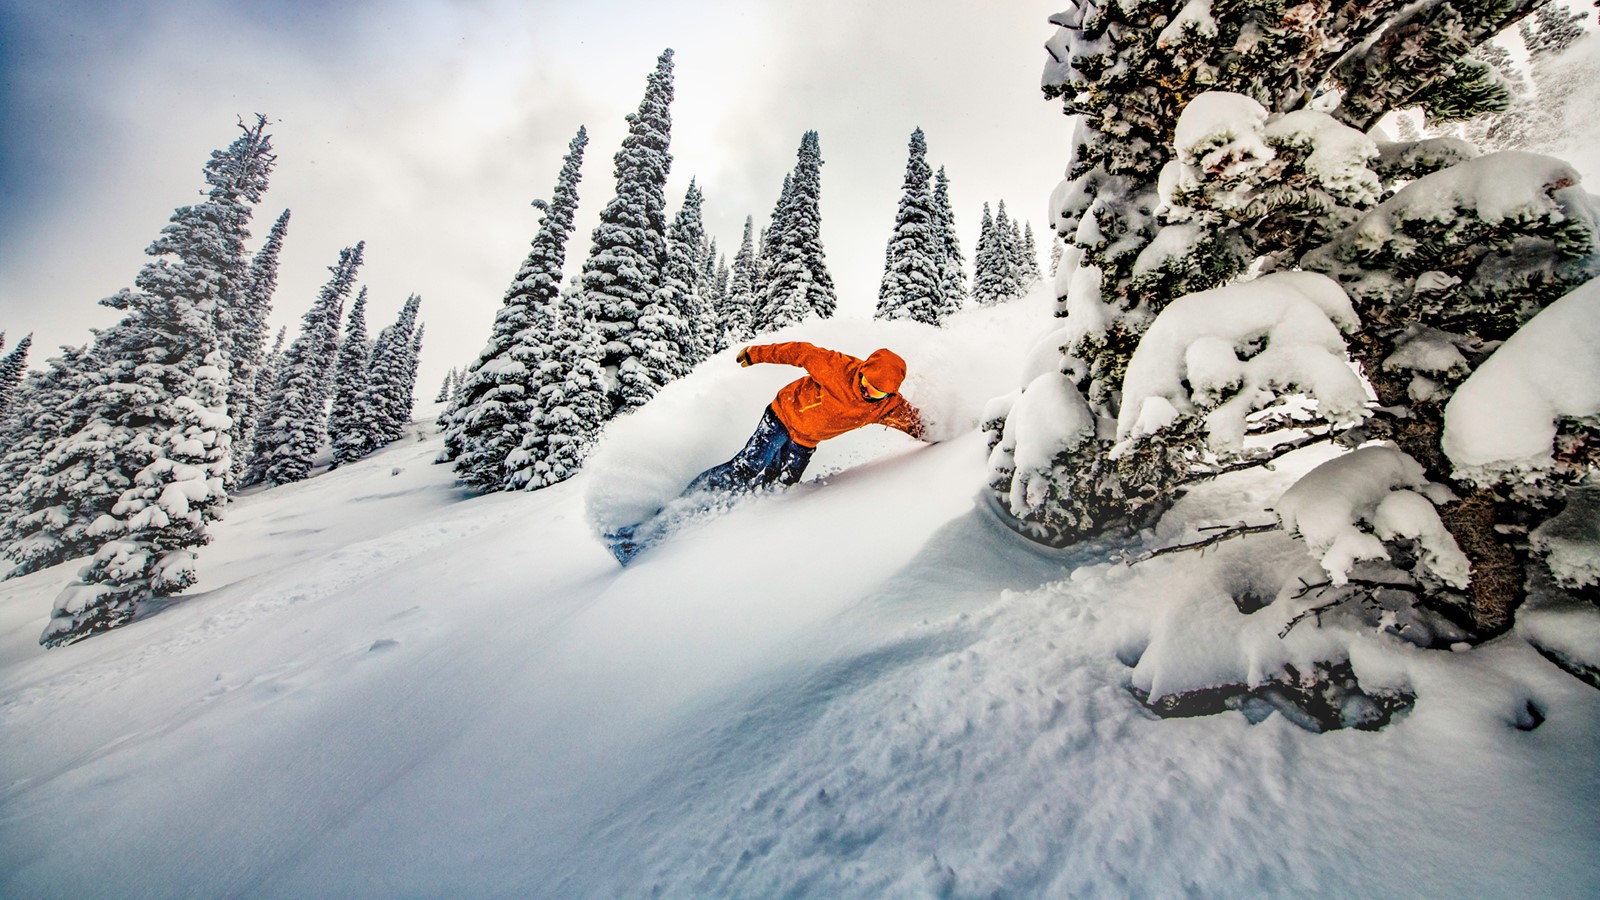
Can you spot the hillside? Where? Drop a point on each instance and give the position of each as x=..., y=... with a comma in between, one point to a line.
x=862, y=687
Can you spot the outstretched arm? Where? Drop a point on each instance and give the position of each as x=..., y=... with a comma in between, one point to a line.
x=810, y=357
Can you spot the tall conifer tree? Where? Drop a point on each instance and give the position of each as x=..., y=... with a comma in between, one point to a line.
x=145, y=462
x=391, y=377
x=952, y=266
x=798, y=282
x=684, y=299
x=572, y=402
x=990, y=263
x=45, y=409
x=266, y=382
x=248, y=337
x=294, y=423
x=623, y=272
x=346, y=434
x=12, y=367
x=912, y=284
x=496, y=403
x=739, y=304
x=1008, y=239
x=767, y=249
x=1028, y=250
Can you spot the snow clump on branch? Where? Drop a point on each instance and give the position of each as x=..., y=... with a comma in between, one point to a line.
x=1228, y=352
x=1502, y=422
x=1346, y=508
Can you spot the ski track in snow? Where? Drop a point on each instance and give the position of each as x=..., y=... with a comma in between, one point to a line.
x=863, y=687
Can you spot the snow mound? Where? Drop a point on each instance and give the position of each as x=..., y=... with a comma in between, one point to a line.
x=1570, y=542
x=646, y=458
x=1501, y=422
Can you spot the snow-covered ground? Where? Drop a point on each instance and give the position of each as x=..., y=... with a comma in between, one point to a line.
x=861, y=687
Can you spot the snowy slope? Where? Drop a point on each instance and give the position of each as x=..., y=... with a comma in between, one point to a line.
x=862, y=687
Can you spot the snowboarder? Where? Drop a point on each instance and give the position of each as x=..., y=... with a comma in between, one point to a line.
x=839, y=393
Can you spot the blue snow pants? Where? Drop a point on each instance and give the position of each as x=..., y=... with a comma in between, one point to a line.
x=771, y=457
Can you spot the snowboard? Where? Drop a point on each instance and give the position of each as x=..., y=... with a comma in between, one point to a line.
x=628, y=542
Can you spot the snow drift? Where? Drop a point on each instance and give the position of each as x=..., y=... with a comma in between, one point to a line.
x=646, y=458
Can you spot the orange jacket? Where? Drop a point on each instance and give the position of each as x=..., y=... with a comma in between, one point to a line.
x=827, y=402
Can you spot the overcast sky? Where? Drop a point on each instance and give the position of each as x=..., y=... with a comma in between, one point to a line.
x=426, y=127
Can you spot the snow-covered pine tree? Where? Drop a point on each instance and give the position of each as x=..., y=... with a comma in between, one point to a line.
x=495, y=406
x=1159, y=205
x=406, y=390
x=145, y=464
x=572, y=402
x=708, y=275
x=952, y=265
x=1008, y=237
x=1055, y=254
x=267, y=380
x=679, y=319
x=391, y=377
x=989, y=263
x=912, y=283
x=767, y=254
x=1437, y=293
x=739, y=300
x=247, y=344
x=293, y=424
x=384, y=367
x=720, y=279
x=623, y=272
x=448, y=392
x=12, y=368
x=1552, y=29
x=799, y=284
x=1558, y=78
x=346, y=434
x=46, y=408
x=1030, y=255
x=1508, y=129
x=711, y=288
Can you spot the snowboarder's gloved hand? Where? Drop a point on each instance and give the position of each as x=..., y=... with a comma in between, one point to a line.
x=744, y=356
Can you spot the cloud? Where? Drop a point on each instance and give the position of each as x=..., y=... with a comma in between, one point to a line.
x=425, y=128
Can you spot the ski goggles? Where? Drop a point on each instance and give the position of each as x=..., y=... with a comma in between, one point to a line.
x=872, y=393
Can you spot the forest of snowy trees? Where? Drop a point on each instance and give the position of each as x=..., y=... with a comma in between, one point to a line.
x=1243, y=267
x=122, y=450
x=654, y=298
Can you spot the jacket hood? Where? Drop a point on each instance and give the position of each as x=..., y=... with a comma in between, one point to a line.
x=885, y=369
